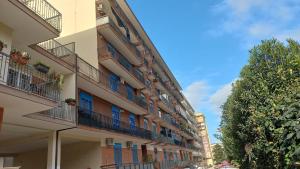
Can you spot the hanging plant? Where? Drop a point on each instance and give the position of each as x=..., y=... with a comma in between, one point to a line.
x=59, y=79
x=41, y=67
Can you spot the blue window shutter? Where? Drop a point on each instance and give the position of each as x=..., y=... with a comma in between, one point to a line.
x=130, y=92
x=116, y=116
x=132, y=121
x=86, y=102
x=114, y=81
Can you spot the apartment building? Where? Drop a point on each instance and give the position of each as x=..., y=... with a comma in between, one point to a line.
x=203, y=132
x=83, y=86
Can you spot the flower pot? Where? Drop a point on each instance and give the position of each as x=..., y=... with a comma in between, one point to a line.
x=41, y=68
x=71, y=103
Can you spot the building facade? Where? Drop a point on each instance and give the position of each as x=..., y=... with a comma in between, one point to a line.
x=203, y=132
x=83, y=86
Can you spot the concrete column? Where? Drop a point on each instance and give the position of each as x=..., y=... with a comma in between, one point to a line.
x=53, y=151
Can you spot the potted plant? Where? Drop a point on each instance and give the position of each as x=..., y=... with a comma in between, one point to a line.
x=71, y=101
x=25, y=57
x=59, y=79
x=41, y=67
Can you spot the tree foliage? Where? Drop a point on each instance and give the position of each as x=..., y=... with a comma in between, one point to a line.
x=261, y=118
x=219, y=154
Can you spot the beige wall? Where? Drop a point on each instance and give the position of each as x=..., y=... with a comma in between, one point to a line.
x=6, y=37
x=68, y=88
x=79, y=26
x=36, y=159
x=81, y=156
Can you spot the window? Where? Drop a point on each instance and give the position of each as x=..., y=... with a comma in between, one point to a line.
x=145, y=124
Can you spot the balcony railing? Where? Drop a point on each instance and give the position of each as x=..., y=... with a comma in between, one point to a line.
x=129, y=166
x=26, y=78
x=124, y=38
x=166, y=102
x=170, y=164
x=123, y=61
x=46, y=11
x=100, y=121
x=64, y=52
x=102, y=78
x=63, y=112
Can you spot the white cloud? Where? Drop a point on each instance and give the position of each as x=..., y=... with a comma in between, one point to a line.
x=201, y=97
x=254, y=20
x=219, y=97
x=197, y=93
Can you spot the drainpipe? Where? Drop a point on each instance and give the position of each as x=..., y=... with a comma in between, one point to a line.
x=56, y=143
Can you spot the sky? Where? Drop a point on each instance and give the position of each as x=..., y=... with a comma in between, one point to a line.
x=206, y=42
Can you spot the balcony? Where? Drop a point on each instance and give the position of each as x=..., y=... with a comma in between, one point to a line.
x=62, y=114
x=117, y=63
x=129, y=166
x=175, y=164
x=165, y=104
x=25, y=78
x=162, y=139
x=100, y=121
x=22, y=85
x=99, y=83
x=31, y=18
x=168, y=121
x=114, y=35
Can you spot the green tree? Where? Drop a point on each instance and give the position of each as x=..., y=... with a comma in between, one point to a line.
x=219, y=154
x=260, y=127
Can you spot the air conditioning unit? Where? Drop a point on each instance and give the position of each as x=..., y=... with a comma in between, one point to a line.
x=109, y=141
x=129, y=144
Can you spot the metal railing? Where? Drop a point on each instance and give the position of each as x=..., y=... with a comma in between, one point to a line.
x=123, y=61
x=103, y=78
x=63, y=112
x=129, y=166
x=46, y=11
x=98, y=120
x=126, y=41
x=170, y=164
x=26, y=78
x=65, y=52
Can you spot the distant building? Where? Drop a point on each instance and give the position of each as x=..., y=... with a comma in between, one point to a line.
x=203, y=132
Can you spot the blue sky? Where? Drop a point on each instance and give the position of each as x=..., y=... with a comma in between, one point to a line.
x=206, y=42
